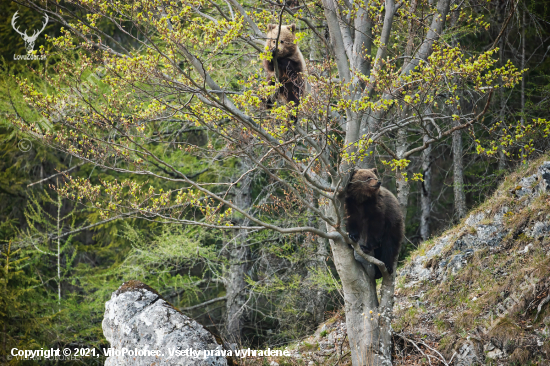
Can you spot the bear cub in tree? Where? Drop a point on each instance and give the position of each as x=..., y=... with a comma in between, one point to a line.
x=290, y=64
x=373, y=218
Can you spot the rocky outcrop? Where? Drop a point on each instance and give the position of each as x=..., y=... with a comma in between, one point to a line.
x=143, y=329
x=512, y=219
x=537, y=183
x=480, y=230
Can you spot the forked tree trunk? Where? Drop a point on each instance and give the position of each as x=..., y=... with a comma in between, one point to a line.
x=368, y=319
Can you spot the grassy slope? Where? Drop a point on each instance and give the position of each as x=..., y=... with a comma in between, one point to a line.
x=492, y=300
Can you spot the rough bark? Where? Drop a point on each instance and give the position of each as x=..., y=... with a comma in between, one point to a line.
x=238, y=255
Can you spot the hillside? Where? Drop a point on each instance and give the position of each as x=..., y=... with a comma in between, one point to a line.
x=477, y=294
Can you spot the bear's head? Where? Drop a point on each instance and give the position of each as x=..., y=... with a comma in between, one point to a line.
x=363, y=184
x=286, y=46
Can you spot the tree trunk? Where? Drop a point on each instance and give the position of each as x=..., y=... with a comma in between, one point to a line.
x=458, y=174
x=59, y=204
x=236, y=288
x=316, y=297
x=523, y=152
x=320, y=296
x=238, y=256
x=317, y=51
x=368, y=320
x=401, y=180
x=502, y=116
x=523, y=68
x=458, y=169
x=426, y=191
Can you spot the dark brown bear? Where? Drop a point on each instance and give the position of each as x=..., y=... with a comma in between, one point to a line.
x=373, y=218
x=290, y=63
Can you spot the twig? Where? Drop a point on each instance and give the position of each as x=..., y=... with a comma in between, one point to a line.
x=344, y=355
x=504, y=26
x=440, y=358
x=55, y=175
x=204, y=303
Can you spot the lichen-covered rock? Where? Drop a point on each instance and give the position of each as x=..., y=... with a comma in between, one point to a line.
x=544, y=172
x=527, y=186
x=539, y=230
x=469, y=353
x=137, y=318
x=417, y=269
x=537, y=183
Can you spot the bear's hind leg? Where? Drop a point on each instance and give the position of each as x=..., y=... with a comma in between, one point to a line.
x=387, y=256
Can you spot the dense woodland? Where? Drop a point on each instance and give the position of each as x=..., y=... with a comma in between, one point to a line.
x=93, y=151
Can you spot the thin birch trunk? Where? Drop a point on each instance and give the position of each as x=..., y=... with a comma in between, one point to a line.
x=458, y=173
x=426, y=191
x=59, y=251
x=402, y=184
x=523, y=67
x=401, y=180
x=458, y=162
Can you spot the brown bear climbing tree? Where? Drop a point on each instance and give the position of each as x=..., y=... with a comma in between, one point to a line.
x=290, y=64
x=373, y=218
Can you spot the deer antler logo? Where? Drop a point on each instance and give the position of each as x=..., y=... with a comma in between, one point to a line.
x=29, y=40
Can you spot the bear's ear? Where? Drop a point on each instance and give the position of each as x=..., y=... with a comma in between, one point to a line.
x=271, y=27
x=375, y=171
x=292, y=27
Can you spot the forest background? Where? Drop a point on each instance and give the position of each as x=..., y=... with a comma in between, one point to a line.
x=62, y=259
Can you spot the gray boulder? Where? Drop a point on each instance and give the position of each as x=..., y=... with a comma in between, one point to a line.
x=143, y=329
x=538, y=183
